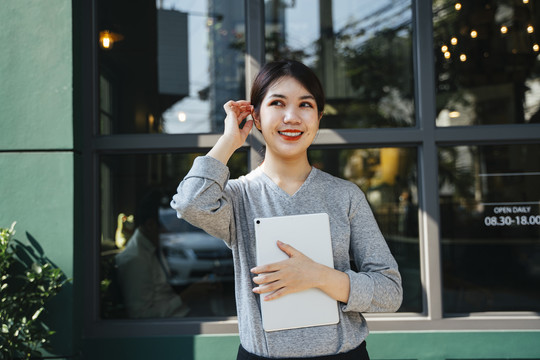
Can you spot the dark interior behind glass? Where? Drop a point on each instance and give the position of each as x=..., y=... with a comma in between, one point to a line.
x=490, y=227
x=196, y=263
x=388, y=177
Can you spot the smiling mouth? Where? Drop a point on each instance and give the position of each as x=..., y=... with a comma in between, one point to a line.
x=290, y=134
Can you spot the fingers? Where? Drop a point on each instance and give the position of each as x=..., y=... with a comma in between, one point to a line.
x=240, y=109
x=273, y=294
x=264, y=278
x=237, y=122
x=274, y=289
x=292, y=275
x=287, y=249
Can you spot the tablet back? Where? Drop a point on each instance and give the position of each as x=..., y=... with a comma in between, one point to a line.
x=310, y=234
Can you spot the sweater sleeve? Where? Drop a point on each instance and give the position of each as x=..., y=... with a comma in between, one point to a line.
x=376, y=287
x=202, y=200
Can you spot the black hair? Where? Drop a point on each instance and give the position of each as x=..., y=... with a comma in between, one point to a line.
x=275, y=70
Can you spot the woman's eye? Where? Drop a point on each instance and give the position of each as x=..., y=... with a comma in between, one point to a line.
x=276, y=103
x=306, y=104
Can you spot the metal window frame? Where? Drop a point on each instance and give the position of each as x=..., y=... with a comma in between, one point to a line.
x=425, y=136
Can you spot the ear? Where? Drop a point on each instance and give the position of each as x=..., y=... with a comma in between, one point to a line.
x=256, y=120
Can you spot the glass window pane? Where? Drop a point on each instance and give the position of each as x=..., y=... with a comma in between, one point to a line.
x=168, y=66
x=388, y=177
x=152, y=263
x=487, y=65
x=360, y=49
x=490, y=227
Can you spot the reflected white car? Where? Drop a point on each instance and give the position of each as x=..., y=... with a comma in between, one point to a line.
x=191, y=254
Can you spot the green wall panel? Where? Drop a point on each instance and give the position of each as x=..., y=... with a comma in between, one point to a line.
x=162, y=348
x=36, y=101
x=36, y=190
x=391, y=346
x=455, y=345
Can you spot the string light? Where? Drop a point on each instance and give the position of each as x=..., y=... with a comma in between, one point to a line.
x=536, y=47
x=458, y=6
x=447, y=55
x=504, y=29
x=444, y=48
x=463, y=57
x=525, y=1
x=530, y=29
x=453, y=41
x=474, y=34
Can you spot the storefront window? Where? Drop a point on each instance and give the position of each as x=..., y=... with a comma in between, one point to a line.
x=169, y=66
x=361, y=51
x=487, y=64
x=490, y=227
x=154, y=265
x=388, y=177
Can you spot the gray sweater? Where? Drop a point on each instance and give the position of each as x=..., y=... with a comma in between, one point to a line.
x=226, y=208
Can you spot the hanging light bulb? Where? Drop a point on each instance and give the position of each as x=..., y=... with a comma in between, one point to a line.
x=108, y=38
x=105, y=39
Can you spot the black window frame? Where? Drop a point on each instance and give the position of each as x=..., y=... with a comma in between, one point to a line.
x=425, y=136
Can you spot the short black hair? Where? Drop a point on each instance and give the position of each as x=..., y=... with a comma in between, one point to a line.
x=275, y=70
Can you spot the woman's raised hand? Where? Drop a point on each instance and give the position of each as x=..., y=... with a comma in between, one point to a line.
x=233, y=136
x=237, y=112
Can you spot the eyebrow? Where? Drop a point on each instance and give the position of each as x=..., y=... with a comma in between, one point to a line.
x=304, y=97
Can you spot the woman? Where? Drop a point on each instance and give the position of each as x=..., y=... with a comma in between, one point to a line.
x=287, y=103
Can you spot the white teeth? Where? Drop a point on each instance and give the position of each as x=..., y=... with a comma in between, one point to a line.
x=292, y=134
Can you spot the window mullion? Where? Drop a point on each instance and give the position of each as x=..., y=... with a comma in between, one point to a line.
x=427, y=161
x=254, y=59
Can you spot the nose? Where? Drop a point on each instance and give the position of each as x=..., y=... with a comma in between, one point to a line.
x=291, y=116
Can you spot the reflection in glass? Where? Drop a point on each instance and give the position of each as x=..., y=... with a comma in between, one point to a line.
x=487, y=67
x=490, y=227
x=175, y=66
x=152, y=263
x=388, y=177
x=361, y=51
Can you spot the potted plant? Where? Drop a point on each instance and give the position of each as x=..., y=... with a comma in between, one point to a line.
x=28, y=281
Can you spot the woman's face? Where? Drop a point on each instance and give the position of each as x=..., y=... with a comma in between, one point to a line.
x=288, y=118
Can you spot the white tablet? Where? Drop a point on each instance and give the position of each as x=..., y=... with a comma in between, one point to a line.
x=309, y=234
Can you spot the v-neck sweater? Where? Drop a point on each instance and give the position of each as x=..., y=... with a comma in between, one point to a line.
x=226, y=208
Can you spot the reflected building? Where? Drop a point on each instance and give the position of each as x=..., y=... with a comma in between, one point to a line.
x=226, y=42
